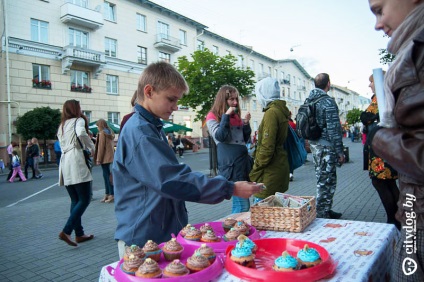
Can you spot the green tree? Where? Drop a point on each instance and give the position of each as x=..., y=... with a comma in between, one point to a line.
x=353, y=115
x=385, y=56
x=206, y=73
x=41, y=123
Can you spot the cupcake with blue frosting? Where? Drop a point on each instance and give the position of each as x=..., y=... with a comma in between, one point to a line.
x=308, y=257
x=242, y=255
x=285, y=263
x=245, y=241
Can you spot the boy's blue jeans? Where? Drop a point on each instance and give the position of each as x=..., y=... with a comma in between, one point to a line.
x=240, y=205
x=80, y=199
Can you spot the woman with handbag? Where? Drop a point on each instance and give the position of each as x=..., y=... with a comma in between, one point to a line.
x=104, y=157
x=74, y=173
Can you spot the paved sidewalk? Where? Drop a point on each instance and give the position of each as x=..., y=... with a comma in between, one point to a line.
x=31, y=251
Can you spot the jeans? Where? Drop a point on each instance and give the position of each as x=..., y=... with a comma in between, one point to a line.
x=240, y=205
x=80, y=199
x=58, y=155
x=106, y=178
x=29, y=163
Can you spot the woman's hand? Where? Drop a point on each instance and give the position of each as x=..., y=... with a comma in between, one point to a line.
x=247, y=118
x=230, y=110
x=244, y=189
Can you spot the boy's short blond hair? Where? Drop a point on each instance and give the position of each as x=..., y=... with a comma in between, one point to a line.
x=161, y=76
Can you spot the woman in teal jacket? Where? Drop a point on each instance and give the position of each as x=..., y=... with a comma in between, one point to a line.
x=271, y=163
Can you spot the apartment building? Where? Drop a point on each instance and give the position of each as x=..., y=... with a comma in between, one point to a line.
x=95, y=50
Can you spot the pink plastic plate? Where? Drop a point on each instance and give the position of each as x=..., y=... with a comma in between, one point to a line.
x=269, y=250
x=205, y=275
x=221, y=246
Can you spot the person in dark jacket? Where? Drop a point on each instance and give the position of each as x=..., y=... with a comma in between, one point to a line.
x=151, y=186
x=29, y=162
x=231, y=133
x=327, y=151
x=399, y=137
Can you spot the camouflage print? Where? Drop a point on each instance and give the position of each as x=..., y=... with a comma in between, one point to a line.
x=325, y=160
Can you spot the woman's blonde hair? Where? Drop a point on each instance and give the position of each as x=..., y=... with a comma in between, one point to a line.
x=102, y=124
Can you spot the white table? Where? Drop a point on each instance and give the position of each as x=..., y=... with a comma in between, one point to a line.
x=363, y=250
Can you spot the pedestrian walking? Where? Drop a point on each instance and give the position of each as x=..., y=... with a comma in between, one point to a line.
x=57, y=151
x=29, y=161
x=36, y=157
x=74, y=174
x=16, y=165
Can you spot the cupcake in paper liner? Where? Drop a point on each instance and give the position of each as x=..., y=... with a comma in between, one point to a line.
x=197, y=262
x=207, y=252
x=175, y=269
x=193, y=234
x=205, y=227
x=149, y=269
x=186, y=228
x=152, y=250
x=228, y=223
x=131, y=264
x=243, y=240
x=210, y=237
x=285, y=263
x=231, y=235
x=172, y=250
x=308, y=257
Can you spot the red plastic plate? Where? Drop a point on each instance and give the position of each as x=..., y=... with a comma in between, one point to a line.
x=269, y=250
x=221, y=246
x=207, y=274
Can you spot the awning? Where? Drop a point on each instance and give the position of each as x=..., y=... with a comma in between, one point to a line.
x=169, y=127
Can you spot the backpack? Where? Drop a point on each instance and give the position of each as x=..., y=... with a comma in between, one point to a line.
x=306, y=123
x=295, y=147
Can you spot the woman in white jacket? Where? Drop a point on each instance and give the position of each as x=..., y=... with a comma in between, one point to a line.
x=73, y=171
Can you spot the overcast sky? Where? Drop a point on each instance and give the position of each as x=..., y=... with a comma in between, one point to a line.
x=333, y=36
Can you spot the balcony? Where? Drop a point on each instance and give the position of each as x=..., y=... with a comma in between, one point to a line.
x=77, y=15
x=285, y=81
x=79, y=56
x=167, y=43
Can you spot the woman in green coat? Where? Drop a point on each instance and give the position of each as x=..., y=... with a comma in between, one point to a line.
x=271, y=164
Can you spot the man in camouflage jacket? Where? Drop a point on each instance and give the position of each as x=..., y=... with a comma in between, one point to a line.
x=327, y=151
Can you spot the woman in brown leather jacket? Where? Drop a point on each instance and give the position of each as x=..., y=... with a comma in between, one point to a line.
x=401, y=141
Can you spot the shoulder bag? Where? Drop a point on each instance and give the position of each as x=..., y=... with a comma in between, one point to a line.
x=86, y=152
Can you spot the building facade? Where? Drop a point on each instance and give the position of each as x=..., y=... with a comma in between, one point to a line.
x=95, y=50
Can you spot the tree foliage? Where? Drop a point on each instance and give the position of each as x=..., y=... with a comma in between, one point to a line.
x=206, y=73
x=40, y=122
x=385, y=56
x=353, y=115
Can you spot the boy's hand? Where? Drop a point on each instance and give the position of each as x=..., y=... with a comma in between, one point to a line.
x=244, y=189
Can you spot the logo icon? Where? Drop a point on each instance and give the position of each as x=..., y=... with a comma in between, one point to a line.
x=409, y=266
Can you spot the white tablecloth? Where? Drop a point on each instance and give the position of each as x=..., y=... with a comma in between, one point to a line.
x=363, y=250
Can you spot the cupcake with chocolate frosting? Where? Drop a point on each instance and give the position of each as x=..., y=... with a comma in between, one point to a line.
x=197, y=262
x=152, y=250
x=231, y=235
x=131, y=264
x=175, y=269
x=149, y=269
x=208, y=252
x=228, y=223
x=205, y=227
x=242, y=227
x=210, y=237
x=193, y=234
x=172, y=250
x=186, y=228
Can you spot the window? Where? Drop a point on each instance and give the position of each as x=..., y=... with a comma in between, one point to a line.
x=269, y=71
x=142, y=55
x=81, y=3
x=288, y=92
x=252, y=64
x=254, y=105
x=88, y=115
x=276, y=74
x=283, y=92
x=282, y=75
x=79, y=81
x=113, y=117
x=141, y=22
x=240, y=61
x=163, y=30
x=200, y=45
x=41, y=76
x=78, y=38
x=110, y=47
x=111, y=84
x=294, y=80
x=243, y=105
x=215, y=50
x=109, y=11
x=288, y=78
x=165, y=57
x=261, y=68
x=183, y=37
x=39, y=31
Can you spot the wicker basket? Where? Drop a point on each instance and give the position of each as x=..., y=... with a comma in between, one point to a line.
x=282, y=218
